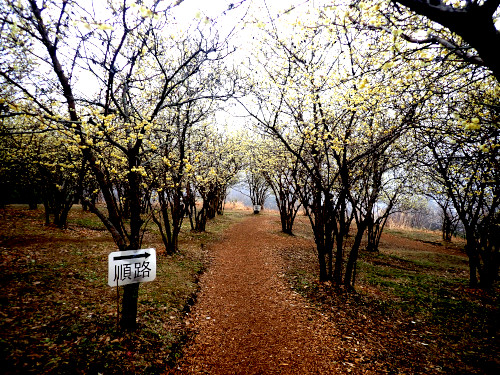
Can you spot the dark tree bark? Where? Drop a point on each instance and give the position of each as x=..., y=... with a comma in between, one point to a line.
x=285, y=191
x=350, y=272
x=258, y=188
x=473, y=22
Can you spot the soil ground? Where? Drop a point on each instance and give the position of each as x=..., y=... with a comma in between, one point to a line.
x=259, y=309
x=247, y=321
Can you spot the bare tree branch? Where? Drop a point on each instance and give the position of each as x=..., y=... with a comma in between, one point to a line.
x=473, y=22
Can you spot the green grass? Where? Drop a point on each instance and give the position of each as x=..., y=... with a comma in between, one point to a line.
x=92, y=223
x=417, y=234
x=418, y=282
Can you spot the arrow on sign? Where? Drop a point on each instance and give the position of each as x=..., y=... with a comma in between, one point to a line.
x=133, y=256
x=130, y=266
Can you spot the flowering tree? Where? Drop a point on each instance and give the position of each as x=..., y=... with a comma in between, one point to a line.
x=217, y=159
x=258, y=187
x=463, y=145
x=337, y=115
x=457, y=43
x=135, y=63
x=474, y=21
x=281, y=171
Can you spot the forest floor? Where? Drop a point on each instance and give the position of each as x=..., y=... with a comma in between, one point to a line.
x=261, y=310
x=248, y=321
x=257, y=308
x=59, y=316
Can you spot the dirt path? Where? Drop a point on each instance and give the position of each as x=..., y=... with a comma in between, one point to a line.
x=247, y=320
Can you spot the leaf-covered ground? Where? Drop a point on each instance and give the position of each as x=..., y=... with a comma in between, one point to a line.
x=413, y=312
x=260, y=309
x=57, y=313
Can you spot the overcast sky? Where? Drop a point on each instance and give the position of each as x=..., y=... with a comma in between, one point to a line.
x=233, y=20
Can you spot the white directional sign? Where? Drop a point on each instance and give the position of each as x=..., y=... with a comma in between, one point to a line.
x=131, y=266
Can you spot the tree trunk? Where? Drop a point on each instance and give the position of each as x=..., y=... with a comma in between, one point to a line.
x=46, y=208
x=340, y=234
x=353, y=257
x=160, y=228
x=446, y=226
x=131, y=291
x=323, y=274
x=167, y=238
x=471, y=250
x=286, y=221
x=201, y=219
x=63, y=214
x=129, y=307
x=178, y=209
x=286, y=206
x=488, y=274
x=32, y=204
x=319, y=238
x=489, y=256
x=371, y=246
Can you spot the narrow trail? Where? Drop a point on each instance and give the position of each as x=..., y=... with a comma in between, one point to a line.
x=247, y=320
